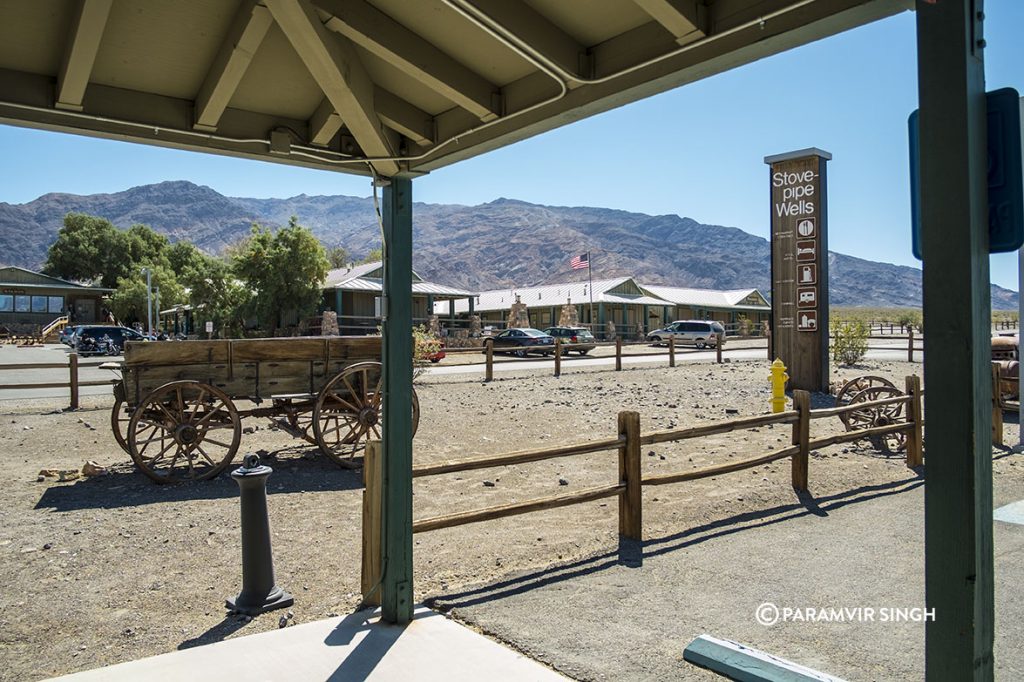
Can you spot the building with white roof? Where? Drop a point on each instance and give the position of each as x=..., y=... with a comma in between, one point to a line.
x=727, y=307
x=622, y=301
x=354, y=294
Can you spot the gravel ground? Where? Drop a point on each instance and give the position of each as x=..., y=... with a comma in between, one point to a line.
x=120, y=568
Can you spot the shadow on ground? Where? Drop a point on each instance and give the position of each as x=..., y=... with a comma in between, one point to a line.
x=632, y=553
x=125, y=486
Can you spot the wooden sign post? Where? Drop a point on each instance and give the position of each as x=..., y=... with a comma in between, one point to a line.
x=799, y=242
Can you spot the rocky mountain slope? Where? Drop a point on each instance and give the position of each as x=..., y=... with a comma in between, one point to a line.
x=498, y=244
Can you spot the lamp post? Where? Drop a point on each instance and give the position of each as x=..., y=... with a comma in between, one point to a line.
x=149, y=300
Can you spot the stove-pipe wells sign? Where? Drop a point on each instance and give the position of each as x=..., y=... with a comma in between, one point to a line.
x=800, y=266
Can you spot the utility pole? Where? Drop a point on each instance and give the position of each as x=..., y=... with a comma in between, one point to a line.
x=156, y=307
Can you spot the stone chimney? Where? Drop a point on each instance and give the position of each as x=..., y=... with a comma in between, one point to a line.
x=570, y=316
x=518, y=317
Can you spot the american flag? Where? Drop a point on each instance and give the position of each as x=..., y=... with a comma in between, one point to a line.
x=580, y=262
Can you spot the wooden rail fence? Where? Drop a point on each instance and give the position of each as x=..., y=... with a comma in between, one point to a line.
x=628, y=443
x=73, y=383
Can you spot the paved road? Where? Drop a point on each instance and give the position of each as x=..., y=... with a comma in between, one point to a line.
x=57, y=353
x=50, y=353
x=882, y=351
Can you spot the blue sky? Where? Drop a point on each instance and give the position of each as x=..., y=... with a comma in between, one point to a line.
x=850, y=95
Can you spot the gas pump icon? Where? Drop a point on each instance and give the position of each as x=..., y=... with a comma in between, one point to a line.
x=807, y=274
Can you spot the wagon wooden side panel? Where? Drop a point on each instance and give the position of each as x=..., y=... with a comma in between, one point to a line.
x=176, y=413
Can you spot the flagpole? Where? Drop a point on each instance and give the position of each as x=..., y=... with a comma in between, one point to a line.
x=590, y=273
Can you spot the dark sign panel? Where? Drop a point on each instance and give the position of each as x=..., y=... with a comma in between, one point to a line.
x=800, y=266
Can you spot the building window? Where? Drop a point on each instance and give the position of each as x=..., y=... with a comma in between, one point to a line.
x=55, y=304
x=39, y=304
x=6, y=303
x=21, y=304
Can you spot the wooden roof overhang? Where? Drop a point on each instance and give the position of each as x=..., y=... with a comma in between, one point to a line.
x=397, y=86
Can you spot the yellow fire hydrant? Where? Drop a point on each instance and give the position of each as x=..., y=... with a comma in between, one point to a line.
x=778, y=378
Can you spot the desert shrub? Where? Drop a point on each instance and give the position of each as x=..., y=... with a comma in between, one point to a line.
x=849, y=341
x=425, y=344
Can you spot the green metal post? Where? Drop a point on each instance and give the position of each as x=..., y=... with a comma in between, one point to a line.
x=472, y=300
x=647, y=317
x=396, y=585
x=600, y=320
x=954, y=218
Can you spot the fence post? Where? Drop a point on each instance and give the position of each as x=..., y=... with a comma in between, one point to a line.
x=997, y=407
x=73, y=380
x=618, y=353
x=372, y=521
x=915, y=455
x=630, y=501
x=719, y=340
x=489, y=375
x=910, y=345
x=801, y=437
x=671, y=351
x=558, y=357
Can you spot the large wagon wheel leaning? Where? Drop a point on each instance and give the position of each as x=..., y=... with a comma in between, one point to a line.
x=184, y=431
x=348, y=412
x=879, y=415
x=855, y=386
x=120, y=415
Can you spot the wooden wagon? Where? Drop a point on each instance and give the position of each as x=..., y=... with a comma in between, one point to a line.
x=179, y=405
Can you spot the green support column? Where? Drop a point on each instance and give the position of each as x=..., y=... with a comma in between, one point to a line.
x=954, y=219
x=396, y=586
x=471, y=302
x=600, y=316
x=430, y=305
x=647, y=317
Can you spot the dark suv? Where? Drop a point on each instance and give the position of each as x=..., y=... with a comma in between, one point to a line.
x=582, y=339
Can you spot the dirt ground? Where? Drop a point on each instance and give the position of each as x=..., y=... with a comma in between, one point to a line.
x=102, y=570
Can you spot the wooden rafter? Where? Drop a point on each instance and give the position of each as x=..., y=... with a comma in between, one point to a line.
x=80, y=53
x=336, y=68
x=247, y=31
x=687, y=20
x=384, y=37
x=394, y=112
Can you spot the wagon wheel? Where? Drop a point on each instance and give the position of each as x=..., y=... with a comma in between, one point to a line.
x=855, y=386
x=880, y=415
x=173, y=434
x=120, y=415
x=348, y=410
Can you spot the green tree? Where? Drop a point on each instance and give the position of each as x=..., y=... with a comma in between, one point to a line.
x=128, y=302
x=338, y=257
x=82, y=249
x=284, y=270
x=217, y=296
x=374, y=256
x=184, y=259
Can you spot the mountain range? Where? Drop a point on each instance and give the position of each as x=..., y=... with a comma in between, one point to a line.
x=504, y=243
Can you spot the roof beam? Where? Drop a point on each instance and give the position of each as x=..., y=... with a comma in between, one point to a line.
x=248, y=29
x=534, y=30
x=394, y=112
x=379, y=34
x=336, y=68
x=687, y=20
x=80, y=55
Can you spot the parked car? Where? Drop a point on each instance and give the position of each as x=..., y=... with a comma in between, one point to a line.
x=67, y=335
x=520, y=342
x=436, y=357
x=88, y=336
x=582, y=338
x=700, y=333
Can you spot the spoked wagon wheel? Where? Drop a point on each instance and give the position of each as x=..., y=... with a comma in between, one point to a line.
x=855, y=386
x=879, y=415
x=348, y=412
x=120, y=415
x=184, y=431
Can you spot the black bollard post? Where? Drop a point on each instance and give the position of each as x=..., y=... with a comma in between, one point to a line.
x=259, y=592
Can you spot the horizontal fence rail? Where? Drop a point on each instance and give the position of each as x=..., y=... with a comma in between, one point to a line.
x=628, y=488
x=73, y=365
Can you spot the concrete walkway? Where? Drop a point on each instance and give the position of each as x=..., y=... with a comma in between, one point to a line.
x=356, y=647
x=628, y=614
